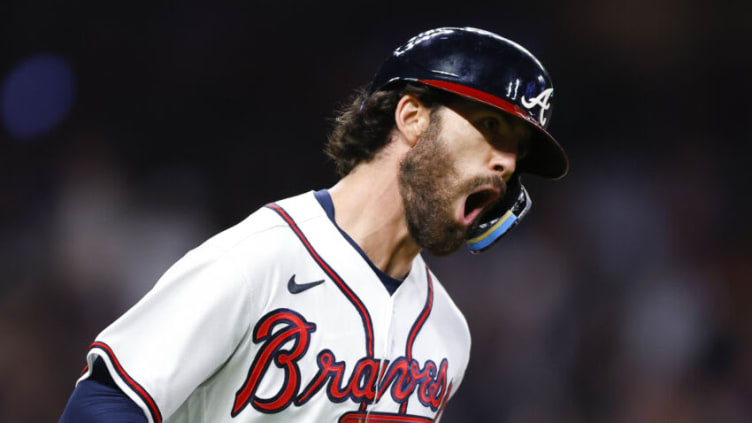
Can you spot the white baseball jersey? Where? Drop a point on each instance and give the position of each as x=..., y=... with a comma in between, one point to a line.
x=242, y=329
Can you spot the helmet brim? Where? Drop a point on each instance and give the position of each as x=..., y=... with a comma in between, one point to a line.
x=546, y=157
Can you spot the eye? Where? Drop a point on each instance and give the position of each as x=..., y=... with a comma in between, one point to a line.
x=490, y=124
x=523, y=148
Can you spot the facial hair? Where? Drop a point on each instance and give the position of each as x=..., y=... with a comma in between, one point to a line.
x=429, y=187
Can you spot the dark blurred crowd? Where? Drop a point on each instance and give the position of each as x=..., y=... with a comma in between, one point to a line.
x=129, y=135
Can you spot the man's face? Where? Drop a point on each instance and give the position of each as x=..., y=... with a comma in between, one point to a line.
x=458, y=168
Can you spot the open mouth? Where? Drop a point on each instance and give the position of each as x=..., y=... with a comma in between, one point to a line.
x=476, y=202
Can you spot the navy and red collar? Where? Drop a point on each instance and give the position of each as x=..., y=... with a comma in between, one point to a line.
x=325, y=199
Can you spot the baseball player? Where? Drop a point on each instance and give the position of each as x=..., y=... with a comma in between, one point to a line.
x=319, y=307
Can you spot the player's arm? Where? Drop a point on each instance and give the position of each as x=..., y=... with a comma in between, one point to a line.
x=99, y=400
x=201, y=297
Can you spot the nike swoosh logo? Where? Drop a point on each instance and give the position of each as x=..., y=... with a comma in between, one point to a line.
x=297, y=288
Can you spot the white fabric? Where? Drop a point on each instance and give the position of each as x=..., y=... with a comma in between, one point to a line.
x=189, y=343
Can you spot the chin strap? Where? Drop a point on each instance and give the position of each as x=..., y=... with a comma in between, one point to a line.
x=501, y=218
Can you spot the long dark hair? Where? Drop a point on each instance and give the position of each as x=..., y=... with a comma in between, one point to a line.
x=364, y=125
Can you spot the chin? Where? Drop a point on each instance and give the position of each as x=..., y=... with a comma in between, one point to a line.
x=443, y=241
x=444, y=251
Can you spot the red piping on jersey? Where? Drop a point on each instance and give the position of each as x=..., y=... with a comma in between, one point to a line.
x=382, y=418
x=423, y=316
x=335, y=277
x=417, y=326
x=444, y=402
x=367, y=324
x=140, y=391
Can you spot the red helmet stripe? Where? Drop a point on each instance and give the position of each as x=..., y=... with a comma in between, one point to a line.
x=481, y=96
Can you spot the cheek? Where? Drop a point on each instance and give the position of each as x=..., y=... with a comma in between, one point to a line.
x=468, y=150
x=470, y=161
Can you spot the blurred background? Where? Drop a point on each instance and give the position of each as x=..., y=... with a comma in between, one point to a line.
x=129, y=134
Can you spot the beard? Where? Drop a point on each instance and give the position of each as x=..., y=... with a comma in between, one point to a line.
x=429, y=187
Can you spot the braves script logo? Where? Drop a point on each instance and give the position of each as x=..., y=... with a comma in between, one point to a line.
x=542, y=101
x=368, y=381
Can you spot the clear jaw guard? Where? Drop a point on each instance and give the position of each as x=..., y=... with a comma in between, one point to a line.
x=504, y=216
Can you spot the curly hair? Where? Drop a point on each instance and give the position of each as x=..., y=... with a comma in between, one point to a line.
x=364, y=125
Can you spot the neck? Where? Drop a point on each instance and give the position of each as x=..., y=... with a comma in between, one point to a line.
x=369, y=208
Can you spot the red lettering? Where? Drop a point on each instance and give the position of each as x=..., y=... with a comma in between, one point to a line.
x=294, y=327
x=367, y=370
x=286, y=335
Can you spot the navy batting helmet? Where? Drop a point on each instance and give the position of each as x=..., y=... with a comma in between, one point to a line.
x=486, y=67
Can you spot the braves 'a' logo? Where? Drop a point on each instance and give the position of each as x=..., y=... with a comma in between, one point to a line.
x=368, y=381
x=541, y=100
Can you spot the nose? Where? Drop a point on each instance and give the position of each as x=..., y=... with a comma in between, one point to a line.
x=504, y=163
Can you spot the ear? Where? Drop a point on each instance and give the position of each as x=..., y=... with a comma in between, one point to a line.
x=411, y=118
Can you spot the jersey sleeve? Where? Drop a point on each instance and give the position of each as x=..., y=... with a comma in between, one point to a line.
x=179, y=334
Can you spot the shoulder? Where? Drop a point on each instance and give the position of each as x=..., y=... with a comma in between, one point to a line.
x=451, y=327
x=265, y=240
x=266, y=229
x=451, y=315
x=265, y=219
x=446, y=313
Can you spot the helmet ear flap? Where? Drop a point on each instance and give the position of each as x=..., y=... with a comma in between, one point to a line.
x=500, y=219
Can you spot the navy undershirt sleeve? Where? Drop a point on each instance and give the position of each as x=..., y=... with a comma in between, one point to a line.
x=98, y=399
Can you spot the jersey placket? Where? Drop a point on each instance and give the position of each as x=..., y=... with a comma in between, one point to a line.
x=386, y=352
